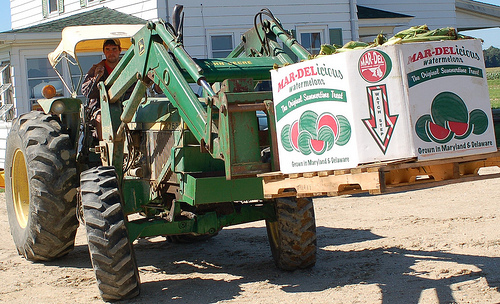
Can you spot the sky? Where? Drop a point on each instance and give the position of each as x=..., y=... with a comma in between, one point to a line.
x=4, y=15
x=491, y=37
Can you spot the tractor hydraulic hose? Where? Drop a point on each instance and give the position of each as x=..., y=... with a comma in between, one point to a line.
x=177, y=17
x=275, y=26
x=207, y=87
x=289, y=41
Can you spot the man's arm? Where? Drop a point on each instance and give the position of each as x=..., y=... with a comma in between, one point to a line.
x=89, y=85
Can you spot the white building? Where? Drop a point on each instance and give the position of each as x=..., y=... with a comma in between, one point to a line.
x=211, y=28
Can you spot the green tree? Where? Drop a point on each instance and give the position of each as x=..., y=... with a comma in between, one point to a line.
x=492, y=57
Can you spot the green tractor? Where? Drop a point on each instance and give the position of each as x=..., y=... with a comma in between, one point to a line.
x=178, y=164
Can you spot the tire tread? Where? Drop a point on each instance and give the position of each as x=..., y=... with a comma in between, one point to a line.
x=52, y=222
x=293, y=242
x=110, y=249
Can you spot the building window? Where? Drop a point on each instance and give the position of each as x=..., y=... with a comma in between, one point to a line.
x=312, y=36
x=84, y=3
x=86, y=63
x=311, y=41
x=40, y=74
x=52, y=7
x=222, y=45
x=5, y=83
x=336, y=36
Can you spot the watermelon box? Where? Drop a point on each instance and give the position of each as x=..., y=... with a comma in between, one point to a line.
x=425, y=100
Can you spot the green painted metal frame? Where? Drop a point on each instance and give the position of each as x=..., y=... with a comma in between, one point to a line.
x=238, y=128
x=71, y=115
x=210, y=222
x=149, y=56
x=204, y=190
x=71, y=105
x=224, y=125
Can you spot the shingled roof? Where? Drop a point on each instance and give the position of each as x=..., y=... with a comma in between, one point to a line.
x=102, y=15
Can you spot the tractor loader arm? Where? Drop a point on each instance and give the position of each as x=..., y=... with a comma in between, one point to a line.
x=158, y=55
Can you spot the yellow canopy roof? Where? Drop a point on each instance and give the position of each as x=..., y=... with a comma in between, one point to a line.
x=90, y=38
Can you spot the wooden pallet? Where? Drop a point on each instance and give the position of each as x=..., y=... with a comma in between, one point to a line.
x=378, y=178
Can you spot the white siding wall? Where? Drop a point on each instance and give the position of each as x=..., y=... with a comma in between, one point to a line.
x=29, y=12
x=220, y=16
x=434, y=13
x=145, y=9
x=25, y=12
x=215, y=15
x=4, y=131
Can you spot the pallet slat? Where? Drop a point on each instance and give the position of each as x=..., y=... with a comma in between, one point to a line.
x=386, y=177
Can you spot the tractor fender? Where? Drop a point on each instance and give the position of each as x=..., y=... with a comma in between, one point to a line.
x=60, y=105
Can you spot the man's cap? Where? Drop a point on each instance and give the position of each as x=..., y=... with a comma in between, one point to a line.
x=111, y=42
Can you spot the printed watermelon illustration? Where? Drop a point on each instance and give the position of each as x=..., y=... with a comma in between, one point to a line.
x=437, y=133
x=459, y=128
x=479, y=121
x=294, y=134
x=285, y=138
x=450, y=119
x=420, y=127
x=314, y=133
x=345, y=133
x=304, y=143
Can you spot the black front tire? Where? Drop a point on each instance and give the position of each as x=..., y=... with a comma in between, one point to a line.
x=110, y=250
x=41, y=187
x=292, y=236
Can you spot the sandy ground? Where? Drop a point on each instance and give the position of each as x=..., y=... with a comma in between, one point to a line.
x=437, y=245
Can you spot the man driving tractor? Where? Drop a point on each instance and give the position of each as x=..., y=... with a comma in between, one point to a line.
x=99, y=72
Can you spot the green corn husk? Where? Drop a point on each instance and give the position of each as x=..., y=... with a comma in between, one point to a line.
x=393, y=40
x=342, y=50
x=414, y=34
x=412, y=31
x=446, y=31
x=327, y=49
x=429, y=38
x=379, y=40
x=354, y=44
x=460, y=36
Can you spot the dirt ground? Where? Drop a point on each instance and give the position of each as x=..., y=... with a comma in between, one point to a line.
x=437, y=245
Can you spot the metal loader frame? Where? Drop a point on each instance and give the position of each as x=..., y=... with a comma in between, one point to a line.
x=220, y=129
x=182, y=166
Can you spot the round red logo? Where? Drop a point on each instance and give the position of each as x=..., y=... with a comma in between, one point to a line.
x=374, y=65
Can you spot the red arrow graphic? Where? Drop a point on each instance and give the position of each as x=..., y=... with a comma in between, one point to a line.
x=381, y=123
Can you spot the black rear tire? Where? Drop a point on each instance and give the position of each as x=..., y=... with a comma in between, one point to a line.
x=292, y=236
x=41, y=187
x=110, y=249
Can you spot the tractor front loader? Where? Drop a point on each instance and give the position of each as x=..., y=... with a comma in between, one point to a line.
x=182, y=166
